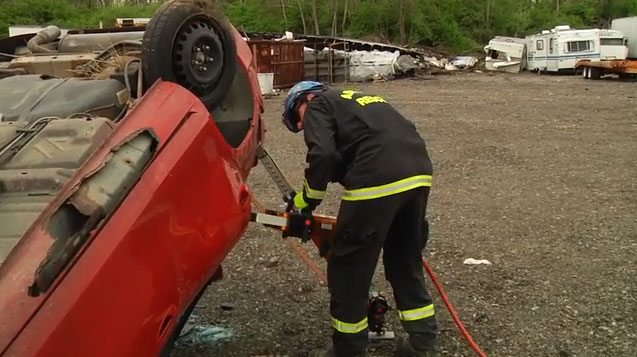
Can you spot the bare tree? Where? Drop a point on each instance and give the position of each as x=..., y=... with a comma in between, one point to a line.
x=335, y=17
x=487, y=17
x=401, y=22
x=285, y=15
x=344, y=16
x=302, y=16
x=317, y=29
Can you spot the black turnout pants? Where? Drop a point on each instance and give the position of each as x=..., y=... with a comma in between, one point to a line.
x=395, y=225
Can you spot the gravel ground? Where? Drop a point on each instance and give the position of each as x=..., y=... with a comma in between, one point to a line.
x=535, y=173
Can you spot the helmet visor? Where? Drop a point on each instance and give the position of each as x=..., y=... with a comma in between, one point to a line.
x=290, y=117
x=290, y=120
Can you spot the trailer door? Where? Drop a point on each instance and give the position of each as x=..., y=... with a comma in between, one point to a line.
x=553, y=59
x=540, y=54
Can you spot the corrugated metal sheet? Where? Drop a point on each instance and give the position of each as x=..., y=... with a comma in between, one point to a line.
x=320, y=42
x=328, y=65
x=283, y=58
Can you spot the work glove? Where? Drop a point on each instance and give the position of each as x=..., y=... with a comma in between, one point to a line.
x=295, y=202
x=299, y=202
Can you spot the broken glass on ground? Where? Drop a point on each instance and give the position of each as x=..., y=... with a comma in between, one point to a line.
x=197, y=333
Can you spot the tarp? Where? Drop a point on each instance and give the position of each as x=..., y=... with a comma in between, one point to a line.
x=365, y=65
x=461, y=62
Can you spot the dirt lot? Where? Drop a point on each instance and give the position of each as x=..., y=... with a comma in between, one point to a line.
x=537, y=174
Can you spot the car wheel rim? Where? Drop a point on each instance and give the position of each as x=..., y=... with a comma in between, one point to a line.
x=198, y=55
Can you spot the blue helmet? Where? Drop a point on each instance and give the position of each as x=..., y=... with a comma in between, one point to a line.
x=289, y=115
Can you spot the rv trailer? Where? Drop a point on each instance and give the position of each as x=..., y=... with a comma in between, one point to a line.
x=559, y=49
x=625, y=66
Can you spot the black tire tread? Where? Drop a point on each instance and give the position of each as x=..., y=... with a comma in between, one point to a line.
x=595, y=73
x=159, y=38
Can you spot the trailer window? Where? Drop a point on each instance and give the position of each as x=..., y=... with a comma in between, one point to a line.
x=578, y=46
x=551, y=44
x=539, y=45
x=611, y=41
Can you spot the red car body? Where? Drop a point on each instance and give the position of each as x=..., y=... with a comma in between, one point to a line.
x=124, y=292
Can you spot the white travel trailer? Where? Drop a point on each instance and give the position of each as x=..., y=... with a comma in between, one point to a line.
x=624, y=68
x=559, y=49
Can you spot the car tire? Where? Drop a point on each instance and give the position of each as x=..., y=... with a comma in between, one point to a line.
x=193, y=46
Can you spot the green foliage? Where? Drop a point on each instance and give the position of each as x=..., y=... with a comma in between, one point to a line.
x=249, y=15
x=108, y=15
x=32, y=12
x=66, y=13
x=372, y=17
x=459, y=25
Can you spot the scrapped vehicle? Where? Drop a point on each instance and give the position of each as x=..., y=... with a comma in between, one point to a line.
x=124, y=156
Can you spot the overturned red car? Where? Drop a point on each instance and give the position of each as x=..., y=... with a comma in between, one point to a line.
x=124, y=156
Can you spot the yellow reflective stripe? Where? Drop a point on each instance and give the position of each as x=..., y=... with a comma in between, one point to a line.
x=417, y=314
x=388, y=189
x=311, y=193
x=346, y=327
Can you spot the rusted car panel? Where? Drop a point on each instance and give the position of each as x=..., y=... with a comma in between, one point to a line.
x=59, y=66
x=39, y=170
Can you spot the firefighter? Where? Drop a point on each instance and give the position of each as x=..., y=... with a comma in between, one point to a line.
x=363, y=143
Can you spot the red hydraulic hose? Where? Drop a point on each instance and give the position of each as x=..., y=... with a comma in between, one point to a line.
x=297, y=249
x=306, y=258
x=452, y=311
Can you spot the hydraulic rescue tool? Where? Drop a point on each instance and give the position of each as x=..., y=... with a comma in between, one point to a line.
x=293, y=223
x=319, y=229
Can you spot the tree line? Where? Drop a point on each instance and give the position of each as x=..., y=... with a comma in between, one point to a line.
x=70, y=13
x=458, y=25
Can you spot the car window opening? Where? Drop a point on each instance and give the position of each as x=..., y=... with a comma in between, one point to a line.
x=234, y=116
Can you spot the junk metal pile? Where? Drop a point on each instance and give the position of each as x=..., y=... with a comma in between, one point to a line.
x=336, y=59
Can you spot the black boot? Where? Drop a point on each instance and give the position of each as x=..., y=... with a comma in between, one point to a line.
x=328, y=352
x=405, y=349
